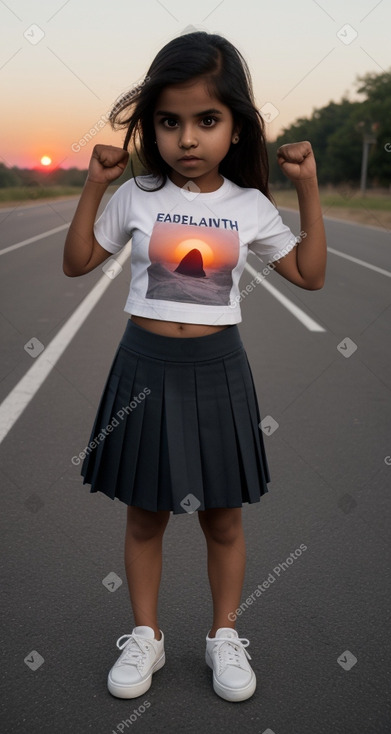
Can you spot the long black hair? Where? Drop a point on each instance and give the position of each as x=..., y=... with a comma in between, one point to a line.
x=213, y=59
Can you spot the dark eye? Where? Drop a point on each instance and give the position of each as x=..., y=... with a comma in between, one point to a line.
x=168, y=119
x=212, y=119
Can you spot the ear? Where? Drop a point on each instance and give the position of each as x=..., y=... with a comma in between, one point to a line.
x=236, y=133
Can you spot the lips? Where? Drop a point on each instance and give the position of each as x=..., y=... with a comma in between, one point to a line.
x=190, y=158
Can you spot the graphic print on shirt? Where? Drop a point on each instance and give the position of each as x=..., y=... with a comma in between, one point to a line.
x=191, y=264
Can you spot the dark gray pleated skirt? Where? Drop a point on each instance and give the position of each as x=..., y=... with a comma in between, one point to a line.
x=177, y=427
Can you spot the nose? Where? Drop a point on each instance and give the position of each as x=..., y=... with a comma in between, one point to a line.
x=187, y=138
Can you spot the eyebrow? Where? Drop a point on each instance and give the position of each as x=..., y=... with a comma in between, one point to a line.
x=197, y=114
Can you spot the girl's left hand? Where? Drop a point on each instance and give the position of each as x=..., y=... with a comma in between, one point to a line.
x=297, y=160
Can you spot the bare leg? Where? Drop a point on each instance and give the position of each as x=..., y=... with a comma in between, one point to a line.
x=143, y=563
x=223, y=531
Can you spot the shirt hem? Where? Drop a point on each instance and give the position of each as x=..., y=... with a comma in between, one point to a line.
x=180, y=316
x=284, y=251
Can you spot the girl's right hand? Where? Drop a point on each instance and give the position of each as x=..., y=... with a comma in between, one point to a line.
x=107, y=163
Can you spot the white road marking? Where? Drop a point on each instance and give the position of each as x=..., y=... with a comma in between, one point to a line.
x=306, y=320
x=34, y=239
x=360, y=262
x=18, y=399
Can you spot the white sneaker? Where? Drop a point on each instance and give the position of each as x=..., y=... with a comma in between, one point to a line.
x=233, y=677
x=143, y=655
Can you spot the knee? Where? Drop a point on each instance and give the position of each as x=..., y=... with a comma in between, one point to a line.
x=144, y=525
x=222, y=527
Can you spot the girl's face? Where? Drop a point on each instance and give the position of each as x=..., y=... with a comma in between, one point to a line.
x=190, y=122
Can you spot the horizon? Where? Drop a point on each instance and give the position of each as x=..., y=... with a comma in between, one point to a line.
x=68, y=89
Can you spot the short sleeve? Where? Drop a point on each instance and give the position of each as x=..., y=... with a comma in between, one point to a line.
x=273, y=239
x=112, y=229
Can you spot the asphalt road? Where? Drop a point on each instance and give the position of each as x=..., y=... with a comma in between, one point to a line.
x=319, y=632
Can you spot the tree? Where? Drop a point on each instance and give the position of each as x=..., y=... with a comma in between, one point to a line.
x=8, y=176
x=335, y=132
x=376, y=108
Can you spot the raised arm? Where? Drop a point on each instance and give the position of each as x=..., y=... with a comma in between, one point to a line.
x=82, y=252
x=305, y=265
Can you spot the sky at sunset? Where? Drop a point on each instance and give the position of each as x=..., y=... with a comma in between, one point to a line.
x=219, y=248
x=63, y=64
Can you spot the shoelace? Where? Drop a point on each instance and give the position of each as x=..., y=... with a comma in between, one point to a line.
x=235, y=647
x=135, y=650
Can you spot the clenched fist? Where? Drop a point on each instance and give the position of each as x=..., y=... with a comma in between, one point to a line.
x=297, y=160
x=107, y=163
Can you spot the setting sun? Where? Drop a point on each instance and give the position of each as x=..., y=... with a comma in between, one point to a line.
x=45, y=160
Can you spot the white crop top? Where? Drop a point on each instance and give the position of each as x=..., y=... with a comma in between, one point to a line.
x=189, y=249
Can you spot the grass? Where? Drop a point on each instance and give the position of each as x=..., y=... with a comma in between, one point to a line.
x=346, y=198
x=358, y=202
x=27, y=193
x=374, y=209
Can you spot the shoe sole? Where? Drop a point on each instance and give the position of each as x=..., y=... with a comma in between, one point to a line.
x=137, y=689
x=232, y=694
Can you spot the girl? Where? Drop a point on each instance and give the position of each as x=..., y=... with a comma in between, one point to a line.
x=177, y=429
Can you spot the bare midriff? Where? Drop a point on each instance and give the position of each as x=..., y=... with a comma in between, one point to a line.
x=173, y=328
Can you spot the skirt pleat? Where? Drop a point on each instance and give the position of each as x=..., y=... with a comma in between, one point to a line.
x=218, y=437
x=138, y=480
x=130, y=415
x=185, y=425
x=260, y=453
x=100, y=468
x=184, y=458
x=96, y=444
x=240, y=390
